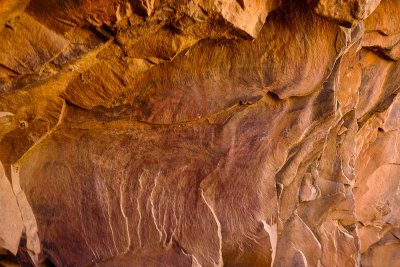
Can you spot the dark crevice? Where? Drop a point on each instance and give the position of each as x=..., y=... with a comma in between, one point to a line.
x=48, y=263
x=380, y=107
x=273, y=96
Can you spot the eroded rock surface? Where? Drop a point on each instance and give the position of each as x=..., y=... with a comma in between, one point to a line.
x=200, y=133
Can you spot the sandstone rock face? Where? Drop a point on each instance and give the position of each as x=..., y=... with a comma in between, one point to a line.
x=200, y=133
x=345, y=12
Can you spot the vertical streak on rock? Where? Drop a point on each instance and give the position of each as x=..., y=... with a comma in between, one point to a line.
x=85, y=237
x=109, y=215
x=220, y=263
x=273, y=237
x=31, y=229
x=138, y=209
x=121, y=203
x=152, y=208
x=195, y=262
x=300, y=259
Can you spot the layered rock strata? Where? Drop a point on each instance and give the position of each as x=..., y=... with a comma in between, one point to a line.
x=200, y=133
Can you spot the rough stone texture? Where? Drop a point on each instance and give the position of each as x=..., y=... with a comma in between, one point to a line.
x=345, y=12
x=200, y=133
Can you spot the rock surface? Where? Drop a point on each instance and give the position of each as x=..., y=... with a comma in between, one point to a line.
x=200, y=133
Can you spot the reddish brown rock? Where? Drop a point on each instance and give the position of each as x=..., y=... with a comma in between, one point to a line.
x=199, y=133
x=9, y=9
x=344, y=12
x=382, y=32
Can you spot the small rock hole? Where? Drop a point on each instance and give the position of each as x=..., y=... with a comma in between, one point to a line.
x=23, y=124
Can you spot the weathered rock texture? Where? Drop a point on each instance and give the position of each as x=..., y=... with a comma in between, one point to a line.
x=200, y=133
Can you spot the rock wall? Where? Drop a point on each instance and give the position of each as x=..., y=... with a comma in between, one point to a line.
x=200, y=133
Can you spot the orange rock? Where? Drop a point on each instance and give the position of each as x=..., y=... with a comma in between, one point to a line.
x=199, y=133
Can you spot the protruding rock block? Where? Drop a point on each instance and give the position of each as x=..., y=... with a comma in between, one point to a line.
x=344, y=12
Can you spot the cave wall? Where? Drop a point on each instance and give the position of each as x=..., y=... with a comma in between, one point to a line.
x=200, y=133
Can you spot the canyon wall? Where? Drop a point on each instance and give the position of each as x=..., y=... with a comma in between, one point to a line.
x=200, y=133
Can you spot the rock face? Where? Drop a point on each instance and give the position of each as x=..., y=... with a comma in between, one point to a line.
x=200, y=133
